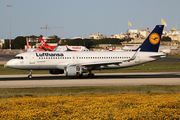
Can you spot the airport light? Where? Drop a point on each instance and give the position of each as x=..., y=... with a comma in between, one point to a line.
x=9, y=26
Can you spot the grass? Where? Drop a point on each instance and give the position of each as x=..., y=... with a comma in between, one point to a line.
x=174, y=56
x=148, y=67
x=50, y=91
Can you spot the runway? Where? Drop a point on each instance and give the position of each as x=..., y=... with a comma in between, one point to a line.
x=100, y=79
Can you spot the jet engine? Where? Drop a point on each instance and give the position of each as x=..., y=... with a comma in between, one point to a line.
x=73, y=70
x=57, y=71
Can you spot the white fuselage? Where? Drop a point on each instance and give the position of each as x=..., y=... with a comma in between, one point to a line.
x=75, y=48
x=59, y=60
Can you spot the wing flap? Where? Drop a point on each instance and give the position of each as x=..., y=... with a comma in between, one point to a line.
x=96, y=63
x=102, y=62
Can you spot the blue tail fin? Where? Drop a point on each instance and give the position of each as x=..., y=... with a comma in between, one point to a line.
x=151, y=43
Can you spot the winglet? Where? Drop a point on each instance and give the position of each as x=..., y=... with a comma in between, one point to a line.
x=134, y=56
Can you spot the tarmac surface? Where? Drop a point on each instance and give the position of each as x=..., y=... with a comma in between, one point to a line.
x=100, y=79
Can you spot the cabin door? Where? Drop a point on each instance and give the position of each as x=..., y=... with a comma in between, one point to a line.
x=31, y=58
x=75, y=59
x=137, y=60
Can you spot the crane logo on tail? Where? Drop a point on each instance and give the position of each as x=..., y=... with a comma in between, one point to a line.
x=154, y=38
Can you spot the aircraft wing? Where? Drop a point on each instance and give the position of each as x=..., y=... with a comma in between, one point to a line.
x=98, y=63
x=102, y=63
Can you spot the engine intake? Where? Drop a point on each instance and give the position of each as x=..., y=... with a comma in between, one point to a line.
x=73, y=70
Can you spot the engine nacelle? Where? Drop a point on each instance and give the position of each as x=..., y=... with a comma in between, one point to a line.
x=73, y=70
x=57, y=71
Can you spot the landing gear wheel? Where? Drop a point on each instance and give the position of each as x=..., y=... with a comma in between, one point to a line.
x=81, y=75
x=30, y=74
x=90, y=75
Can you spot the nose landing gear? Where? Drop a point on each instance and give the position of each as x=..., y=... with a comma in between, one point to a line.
x=30, y=74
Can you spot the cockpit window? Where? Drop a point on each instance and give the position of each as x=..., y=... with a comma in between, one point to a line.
x=18, y=57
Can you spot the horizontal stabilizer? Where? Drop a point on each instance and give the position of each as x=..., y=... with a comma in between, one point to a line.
x=160, y=54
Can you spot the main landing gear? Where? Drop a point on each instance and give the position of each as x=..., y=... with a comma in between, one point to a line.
x=30, y=74
x=90, y=75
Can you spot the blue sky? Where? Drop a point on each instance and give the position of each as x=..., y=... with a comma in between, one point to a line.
x=80, y=17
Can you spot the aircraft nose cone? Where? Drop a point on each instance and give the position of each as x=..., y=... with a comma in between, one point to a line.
x=11, y=63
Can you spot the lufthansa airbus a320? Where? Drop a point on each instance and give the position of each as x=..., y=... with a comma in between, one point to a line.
x=76, y=63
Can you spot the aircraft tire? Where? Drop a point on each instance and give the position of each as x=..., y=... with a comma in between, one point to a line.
x=30, y=76
x=91, y=75
x=81, y=75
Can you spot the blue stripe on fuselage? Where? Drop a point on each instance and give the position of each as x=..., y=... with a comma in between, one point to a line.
x=56, y=48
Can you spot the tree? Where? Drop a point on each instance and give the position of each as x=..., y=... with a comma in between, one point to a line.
x=108, y=41
x=6, y=44
x=19, y=42
x=33, y=40
x=88, y=43
x=166, y=39
x=53, y=39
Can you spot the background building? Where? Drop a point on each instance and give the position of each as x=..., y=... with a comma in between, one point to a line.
x=97, y=36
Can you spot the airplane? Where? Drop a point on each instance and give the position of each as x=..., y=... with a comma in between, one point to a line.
x=76, y=63
x=32, y=49
x=47, y=47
